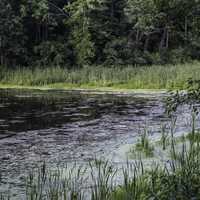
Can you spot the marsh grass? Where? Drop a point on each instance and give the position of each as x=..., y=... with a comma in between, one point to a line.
x=4, y=197
x=143, y=148
x=60, y=183
x=129, y=77
x=164, y=140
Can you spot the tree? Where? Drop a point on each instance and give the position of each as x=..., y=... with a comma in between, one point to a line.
x=79, y=23
x=108, y=29
x=47, y=35
x=159, y=25
x=12, y=37
x=111, y=32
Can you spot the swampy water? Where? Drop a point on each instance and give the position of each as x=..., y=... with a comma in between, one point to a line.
x=69, y=126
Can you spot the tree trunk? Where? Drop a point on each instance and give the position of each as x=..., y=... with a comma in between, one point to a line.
x=186, y=29
x=167, y=39
x=163, y=40
x=137, y=36
x=1, y=51
x=146, y=44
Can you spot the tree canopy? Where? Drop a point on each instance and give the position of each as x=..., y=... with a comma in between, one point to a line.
x=112, y=32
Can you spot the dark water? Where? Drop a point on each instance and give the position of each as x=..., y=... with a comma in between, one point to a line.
x=68, y=126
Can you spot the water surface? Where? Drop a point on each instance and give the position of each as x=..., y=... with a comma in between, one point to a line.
x=68, y=126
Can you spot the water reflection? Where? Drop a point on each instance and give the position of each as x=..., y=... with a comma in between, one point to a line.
x=32, y=110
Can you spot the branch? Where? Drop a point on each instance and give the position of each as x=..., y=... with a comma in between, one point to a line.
x=59, y=9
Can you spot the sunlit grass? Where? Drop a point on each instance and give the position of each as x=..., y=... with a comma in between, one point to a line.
x=116, y=77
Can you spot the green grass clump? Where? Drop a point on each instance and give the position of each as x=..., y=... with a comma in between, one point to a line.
x=142, y=148
x=193, y=137
x=190, y=137
x=164, y=140
x=115, y=77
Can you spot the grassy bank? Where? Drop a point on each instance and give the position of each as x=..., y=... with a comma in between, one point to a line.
x=98, y=77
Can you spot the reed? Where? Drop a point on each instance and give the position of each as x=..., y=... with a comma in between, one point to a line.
x=116, y=77
x=143, y=148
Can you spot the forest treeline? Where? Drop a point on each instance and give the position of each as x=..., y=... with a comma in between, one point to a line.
x=96, y=32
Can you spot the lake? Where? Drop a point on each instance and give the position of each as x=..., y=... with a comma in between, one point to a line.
x=74, y=126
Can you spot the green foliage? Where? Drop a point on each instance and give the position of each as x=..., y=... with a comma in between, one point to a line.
x=12, y=36
x=114, y=32
x=52, y=53
x=191, y=97
x=109, y=26
x=143, y=147
x=79, y=22
x=164, y=140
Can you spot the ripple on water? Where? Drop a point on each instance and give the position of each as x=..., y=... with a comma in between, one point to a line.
x=60, y=126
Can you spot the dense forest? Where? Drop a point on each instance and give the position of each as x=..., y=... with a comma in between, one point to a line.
x=98, y=32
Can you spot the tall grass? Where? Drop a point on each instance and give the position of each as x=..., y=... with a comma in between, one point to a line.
x=129, y=77
x=143, y=147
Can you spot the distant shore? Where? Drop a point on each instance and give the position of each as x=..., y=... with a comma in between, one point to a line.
x=87, y=89
x=101, y=78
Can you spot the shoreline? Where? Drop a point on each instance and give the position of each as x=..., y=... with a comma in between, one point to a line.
x=86, y=89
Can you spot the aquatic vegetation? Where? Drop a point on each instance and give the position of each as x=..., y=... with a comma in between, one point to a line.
x=59, y=183
x=130, y=77
x=164, y=140
x=143, y=148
